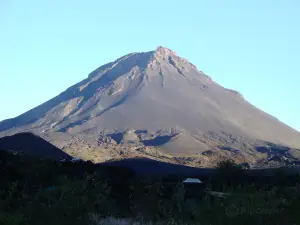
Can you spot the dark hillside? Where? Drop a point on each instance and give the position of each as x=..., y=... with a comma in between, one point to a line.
x=33, y=145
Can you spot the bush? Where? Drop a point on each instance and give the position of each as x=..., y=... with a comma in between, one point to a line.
x=229, y=174
x=47, y=192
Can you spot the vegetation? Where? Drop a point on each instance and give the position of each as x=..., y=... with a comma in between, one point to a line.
x=46, y=192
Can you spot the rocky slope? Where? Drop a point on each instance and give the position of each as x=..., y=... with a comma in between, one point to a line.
x=159, y=105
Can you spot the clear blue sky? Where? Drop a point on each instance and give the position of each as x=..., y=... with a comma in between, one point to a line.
x=251, y=46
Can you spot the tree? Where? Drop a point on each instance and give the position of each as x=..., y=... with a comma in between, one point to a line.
x=229, y=173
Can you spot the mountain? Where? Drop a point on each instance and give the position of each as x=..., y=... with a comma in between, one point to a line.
x=33, y=145
x=159, y=105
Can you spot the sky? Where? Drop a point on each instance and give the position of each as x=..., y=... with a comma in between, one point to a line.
x=250, y=46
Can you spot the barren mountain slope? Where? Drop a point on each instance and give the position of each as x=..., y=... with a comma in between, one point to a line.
x=166, y=104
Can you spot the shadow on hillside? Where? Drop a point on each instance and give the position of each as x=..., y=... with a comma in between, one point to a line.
x=32, y=145
x=144, y=166
x=116, y=137
x=149, y=167
x=160, y=140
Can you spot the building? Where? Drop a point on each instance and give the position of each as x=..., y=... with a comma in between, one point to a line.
x=194, y=188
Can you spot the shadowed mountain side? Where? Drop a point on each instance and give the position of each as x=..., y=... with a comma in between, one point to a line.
x=33, y=145
x=144, y=166
x=149, y=167
x=159, y=140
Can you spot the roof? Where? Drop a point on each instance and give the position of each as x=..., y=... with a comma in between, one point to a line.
x=192, y=180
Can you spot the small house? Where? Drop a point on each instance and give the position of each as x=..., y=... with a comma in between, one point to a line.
x=74, y=160
x=194, y=188
x=192, y=181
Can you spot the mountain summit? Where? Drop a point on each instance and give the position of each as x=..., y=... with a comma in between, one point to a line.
x=156, y=100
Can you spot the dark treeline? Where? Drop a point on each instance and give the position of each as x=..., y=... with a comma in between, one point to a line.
x=35, y=191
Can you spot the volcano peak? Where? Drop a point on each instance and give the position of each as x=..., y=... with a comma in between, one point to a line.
x=164, y=51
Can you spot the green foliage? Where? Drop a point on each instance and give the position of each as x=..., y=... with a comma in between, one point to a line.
x=229, y=174
x=11, y=219
x=45, y=192
x=179, y=197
